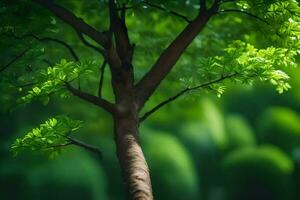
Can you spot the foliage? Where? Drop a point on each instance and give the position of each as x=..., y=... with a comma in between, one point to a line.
x=261, y=173
x=243, y=63
x=52, y=80
x=257, y=41
x=281, y=16
x=50, y=135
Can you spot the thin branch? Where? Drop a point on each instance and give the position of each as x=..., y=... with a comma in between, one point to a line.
x=102, y=70
x=84, y=41
x=47, y=62
x=228, y=1
x=86, y=146
x=109, y=107
x=72, y=141
x=60, y=145
x=119, y=29
x=180, y=93
x=46, y=39
x=77, y=23
x=14, y=60
x=243, y=12
x=26, y=85
x=168, y=11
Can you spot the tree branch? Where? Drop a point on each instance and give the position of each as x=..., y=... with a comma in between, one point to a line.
x=46, y=39
x=14, y=60
x=47, y=62
x=72, y=141
x=60, y=145
x=84, y=41
x=109, y=107
x=168, y=11
x=119, y=29
x=77, y=23
x=243, y=12
x=102, y=70
x=182, y=92
x=71, y=50
x=86, y=146
x=49, y=39
x=148, y=84
x=228, y=1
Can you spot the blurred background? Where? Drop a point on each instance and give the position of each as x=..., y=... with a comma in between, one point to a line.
x=242, y=146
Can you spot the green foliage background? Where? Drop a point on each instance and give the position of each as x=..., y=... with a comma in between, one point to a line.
x=244, y=145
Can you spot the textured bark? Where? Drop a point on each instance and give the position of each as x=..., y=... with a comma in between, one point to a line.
x=134, y=166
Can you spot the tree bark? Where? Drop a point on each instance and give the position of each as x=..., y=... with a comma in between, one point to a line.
x=134, y=166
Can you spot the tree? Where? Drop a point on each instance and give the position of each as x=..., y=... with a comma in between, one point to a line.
x=236, y=61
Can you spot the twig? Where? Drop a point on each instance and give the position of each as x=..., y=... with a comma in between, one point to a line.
x=89, y=147
x=77, y=23
x=60, y=145
x=47, y=62
x=147, y=114
x=84, y=41
x=243, y=12
x=73, y=141
x=46, y=39
x=168, y=11
x=109, y=107
x=14, y=60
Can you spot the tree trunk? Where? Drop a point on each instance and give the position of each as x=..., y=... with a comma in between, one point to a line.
x=132, y=161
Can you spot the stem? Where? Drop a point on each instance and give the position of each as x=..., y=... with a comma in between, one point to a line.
x=14, y=60
x=84, y=145
x=169, y=100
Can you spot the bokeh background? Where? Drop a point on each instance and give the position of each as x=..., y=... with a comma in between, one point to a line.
x=242, y=146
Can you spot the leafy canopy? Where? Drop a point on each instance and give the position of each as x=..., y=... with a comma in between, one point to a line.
x=52, y=80
x=246, y=40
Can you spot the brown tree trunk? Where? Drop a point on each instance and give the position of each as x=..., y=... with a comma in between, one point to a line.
x=134, y=166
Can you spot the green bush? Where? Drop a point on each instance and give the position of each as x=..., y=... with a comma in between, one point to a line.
x=73, y=175
x=239, y=132
x=281, y=127
x=258, y=173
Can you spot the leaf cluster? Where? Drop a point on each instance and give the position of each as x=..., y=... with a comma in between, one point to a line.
x=243, y=63
x=281, y=20
x=52, y=80
x=48, y=137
